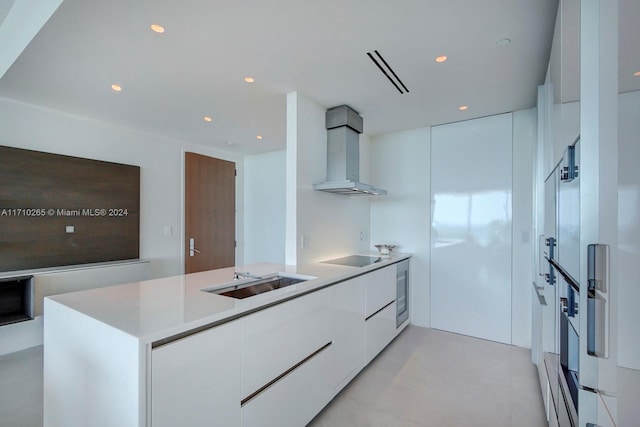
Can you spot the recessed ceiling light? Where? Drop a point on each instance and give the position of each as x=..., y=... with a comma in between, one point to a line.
x=463, y=107
x=229, y=144
x=116, y=87
x=157, y=28
x=503, y=42
x=441, y=58
x=249, y=79
x=259, y=136
x=637, y=74
x=207, y=119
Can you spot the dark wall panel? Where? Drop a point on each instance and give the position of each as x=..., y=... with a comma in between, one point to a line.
x=42, y=194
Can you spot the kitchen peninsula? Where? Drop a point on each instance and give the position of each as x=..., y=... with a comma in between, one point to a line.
x=172, y=351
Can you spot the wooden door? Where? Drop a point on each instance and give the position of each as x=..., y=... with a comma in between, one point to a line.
x=210, y=188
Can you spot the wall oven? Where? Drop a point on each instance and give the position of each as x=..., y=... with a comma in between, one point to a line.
x=402, y=295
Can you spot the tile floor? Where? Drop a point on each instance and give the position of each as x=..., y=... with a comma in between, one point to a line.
x=425, y=377
x=428, y=377
x=21, y=388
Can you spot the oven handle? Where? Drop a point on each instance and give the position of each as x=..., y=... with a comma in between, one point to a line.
x=598, y=296
x=566, y=276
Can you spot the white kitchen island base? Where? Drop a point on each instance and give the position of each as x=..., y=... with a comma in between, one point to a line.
x=94, y=374
x=165, y=353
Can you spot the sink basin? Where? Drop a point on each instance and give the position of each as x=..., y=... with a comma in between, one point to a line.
x=258, y=286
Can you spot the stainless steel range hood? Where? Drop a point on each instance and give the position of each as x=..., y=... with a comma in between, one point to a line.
x=344, y=126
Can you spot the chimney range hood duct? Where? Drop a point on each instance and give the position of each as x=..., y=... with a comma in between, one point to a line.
x=344, y=126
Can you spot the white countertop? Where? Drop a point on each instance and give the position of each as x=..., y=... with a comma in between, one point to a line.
x=153, y=310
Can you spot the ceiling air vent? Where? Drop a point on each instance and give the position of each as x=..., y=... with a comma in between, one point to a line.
x=386, y=69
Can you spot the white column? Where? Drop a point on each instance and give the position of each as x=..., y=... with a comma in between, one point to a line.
x=291, y=228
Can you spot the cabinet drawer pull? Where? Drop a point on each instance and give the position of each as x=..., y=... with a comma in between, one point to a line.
x=284, y=374
x=371, y=315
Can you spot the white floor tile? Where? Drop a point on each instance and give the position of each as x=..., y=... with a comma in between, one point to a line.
x=425, y=377
x=428, y=377
x=21, y=388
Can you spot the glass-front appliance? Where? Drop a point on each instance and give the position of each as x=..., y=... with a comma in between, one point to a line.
x=402, y=295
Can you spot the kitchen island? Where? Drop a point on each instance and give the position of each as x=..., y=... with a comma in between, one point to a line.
x=172, y=352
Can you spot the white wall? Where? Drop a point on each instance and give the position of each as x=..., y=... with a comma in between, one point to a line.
x=522, y=259
x=329, y=224
x=629, y=230
x=264, y=204
x=161, y=162
x=400, y=164
x=291, y=182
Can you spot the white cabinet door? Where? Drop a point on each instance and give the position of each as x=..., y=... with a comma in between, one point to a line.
x=599, y=193
x=380, y=288
x=380, y=329
x=196, y=380
x=628, y=231
x=279, y=337
x=471, y=182
x=348, y=330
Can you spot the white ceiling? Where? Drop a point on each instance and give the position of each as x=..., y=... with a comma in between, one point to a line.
x=318, y=48
x=5, y=7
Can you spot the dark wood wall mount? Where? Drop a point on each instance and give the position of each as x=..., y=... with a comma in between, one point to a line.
x=60, y=210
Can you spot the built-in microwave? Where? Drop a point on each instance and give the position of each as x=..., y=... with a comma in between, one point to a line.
x=402, y=295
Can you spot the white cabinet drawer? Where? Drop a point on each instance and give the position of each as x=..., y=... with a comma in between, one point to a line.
x=348, y=330
x=380, y=288
x=295, y=399
x=379, y=331
x=197, y=379
x=279, y=337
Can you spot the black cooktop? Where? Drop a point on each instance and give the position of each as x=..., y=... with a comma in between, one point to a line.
x=354, y=260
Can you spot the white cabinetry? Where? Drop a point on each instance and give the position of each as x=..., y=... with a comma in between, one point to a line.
x=348, y=330
x=197, y=379
x=285, y=358
x=275, y=339
x=92, y=374
x=276, y=366
x=293, y=400
x=380, y=289
x=380, y=310
x=380, y=330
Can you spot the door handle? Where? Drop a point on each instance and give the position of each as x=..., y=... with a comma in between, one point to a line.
x=598, y=300
x=192, y=248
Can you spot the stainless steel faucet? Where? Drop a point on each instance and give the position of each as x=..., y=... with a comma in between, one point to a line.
x=238, y=274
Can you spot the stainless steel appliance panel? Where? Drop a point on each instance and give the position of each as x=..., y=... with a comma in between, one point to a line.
x=569, y=211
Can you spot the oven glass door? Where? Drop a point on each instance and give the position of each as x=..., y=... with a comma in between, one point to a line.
x=569, y=346
x=402, y=295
